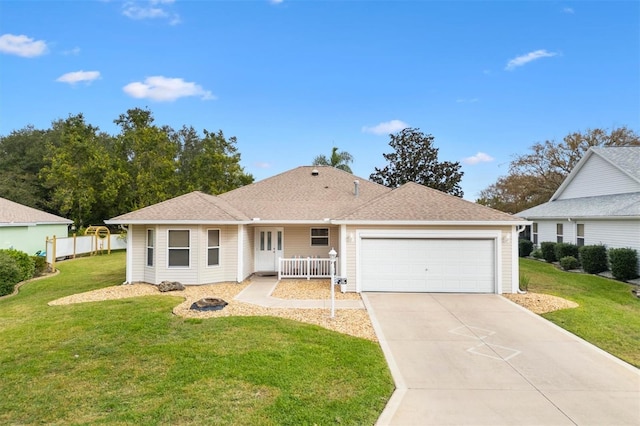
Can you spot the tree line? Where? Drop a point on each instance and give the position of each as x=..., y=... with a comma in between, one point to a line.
x=77, y=171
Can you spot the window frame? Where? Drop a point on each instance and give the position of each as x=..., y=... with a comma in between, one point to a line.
x=534, y=233
x=169, y=249
x=580, y=238
x=217, y=265
x=559, y=232
x=314, y=238
x=150, y=260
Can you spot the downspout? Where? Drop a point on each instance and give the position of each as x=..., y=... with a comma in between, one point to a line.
x=517, y=231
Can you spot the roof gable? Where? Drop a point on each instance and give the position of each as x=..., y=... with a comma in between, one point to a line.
x=603, y=171
x=12, y=213
x=415, y=202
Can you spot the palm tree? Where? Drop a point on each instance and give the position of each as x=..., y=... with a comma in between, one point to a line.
x=339, y=160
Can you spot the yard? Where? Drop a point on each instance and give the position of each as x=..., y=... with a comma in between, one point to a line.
x=133, y=361
x=608, y=315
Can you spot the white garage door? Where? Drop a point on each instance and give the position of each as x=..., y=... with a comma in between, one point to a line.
x=428, y=265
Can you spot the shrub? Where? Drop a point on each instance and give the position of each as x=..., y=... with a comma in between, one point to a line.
x=569, y=262
x=524, y=282
x=40, y=263
x=566, y=250
x=624, y=263
x=525, y=247
x=25, y=263
x=593, y=258
x=548, y=249
x=9, y=273
x=536, y=254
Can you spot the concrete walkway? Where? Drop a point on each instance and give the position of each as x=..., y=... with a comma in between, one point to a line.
x=261, y=287
x=483, y=360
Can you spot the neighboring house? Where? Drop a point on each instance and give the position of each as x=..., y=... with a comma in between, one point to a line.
x=26, y=229
x=409, y=239
x=598, y=203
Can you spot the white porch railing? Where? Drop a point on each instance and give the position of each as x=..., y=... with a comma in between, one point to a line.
x=304, y=267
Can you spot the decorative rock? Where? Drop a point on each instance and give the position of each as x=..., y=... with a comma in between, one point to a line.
x=170, y=286
x=209, y=304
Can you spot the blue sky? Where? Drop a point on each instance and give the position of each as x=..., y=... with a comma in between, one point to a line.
x=291, y=79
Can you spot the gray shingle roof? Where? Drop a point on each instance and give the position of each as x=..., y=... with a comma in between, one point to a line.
x=615, y=205
x=303, y=196
x=12, y=213
x=414, y=202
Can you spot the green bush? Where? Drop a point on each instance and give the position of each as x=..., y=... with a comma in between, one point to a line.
x=524, y=282
x=9, y=273
x=536, y=254
x=624, y=263
x=40, y=263
x=525, y=247
x=566, y=250
x=569, y=262
x=593, y=258
x=548, y=249
x=24, y=262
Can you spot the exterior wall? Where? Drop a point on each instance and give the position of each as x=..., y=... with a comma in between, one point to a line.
x=198, y=272
x=611, y=233
x=506, y=273
x=598, y=177
x=297, y=241
x=30, y=239
x=248, y=247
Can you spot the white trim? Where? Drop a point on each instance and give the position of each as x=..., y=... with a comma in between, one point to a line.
x=153, y=247
x=342, y=260
x=515, y=261
x=240, y=261
x=207, y=247
x=431, y=222
x=311, y=237
x=129, y=256
x=433, y=234
x=268, y=223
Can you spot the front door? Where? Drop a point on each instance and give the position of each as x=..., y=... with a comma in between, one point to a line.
x=268, y=243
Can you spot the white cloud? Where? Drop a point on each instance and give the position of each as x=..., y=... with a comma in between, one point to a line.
x=72, y=52
x=262, y=165
x=276, y=1
x=480, y=157
x=467, y=101
x=568, y=10
x=151, y=9
x=386, y=127
x=524, y=59
x=163, y=89
x=22, y=45
x=79, y=76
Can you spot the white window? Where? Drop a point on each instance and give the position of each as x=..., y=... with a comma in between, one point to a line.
x=534, y=233
x=320, y=237
x=179, y=248
x=150, y=246
x=213, y=247
x=559, y=232
x=580, y=234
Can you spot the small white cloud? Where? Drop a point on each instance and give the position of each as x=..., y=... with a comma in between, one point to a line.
x=262, y=165
x=163, y=89
x=480, y=157
x=385, y=127
x=276, y=1
x=79, y=76
x=568, y=10
x=526, y=58
x=21, y=45
x=151, y=9
x=72, y=52
x=467, y=101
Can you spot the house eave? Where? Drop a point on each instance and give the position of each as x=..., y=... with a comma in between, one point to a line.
x=433, y=222
x=571, y=217
x=10, y=224
x=174, y=222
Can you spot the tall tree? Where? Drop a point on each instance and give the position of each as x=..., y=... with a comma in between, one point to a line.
x=150, y=156
x=210, y=164
x=339, y=160
x=415, y=159
x=534, y=176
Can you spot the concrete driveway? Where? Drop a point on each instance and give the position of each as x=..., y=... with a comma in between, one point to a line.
x=483, y=360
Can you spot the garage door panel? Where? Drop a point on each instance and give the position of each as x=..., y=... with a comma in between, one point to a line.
x=432, y=265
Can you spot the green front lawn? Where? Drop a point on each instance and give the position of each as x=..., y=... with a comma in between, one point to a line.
x=132, y=361
x=608, y=316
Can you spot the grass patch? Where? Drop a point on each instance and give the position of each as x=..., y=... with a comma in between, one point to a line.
x=608, y=315
x=132, y=361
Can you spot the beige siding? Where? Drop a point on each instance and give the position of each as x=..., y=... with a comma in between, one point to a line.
x=598, y=177
x=297, y=241
x=227, y=269
x=248, y=251
x=137, y=233
x=504, y=244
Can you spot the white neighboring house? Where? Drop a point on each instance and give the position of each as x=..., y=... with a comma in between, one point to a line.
x=598, y=203
x=26, y=229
